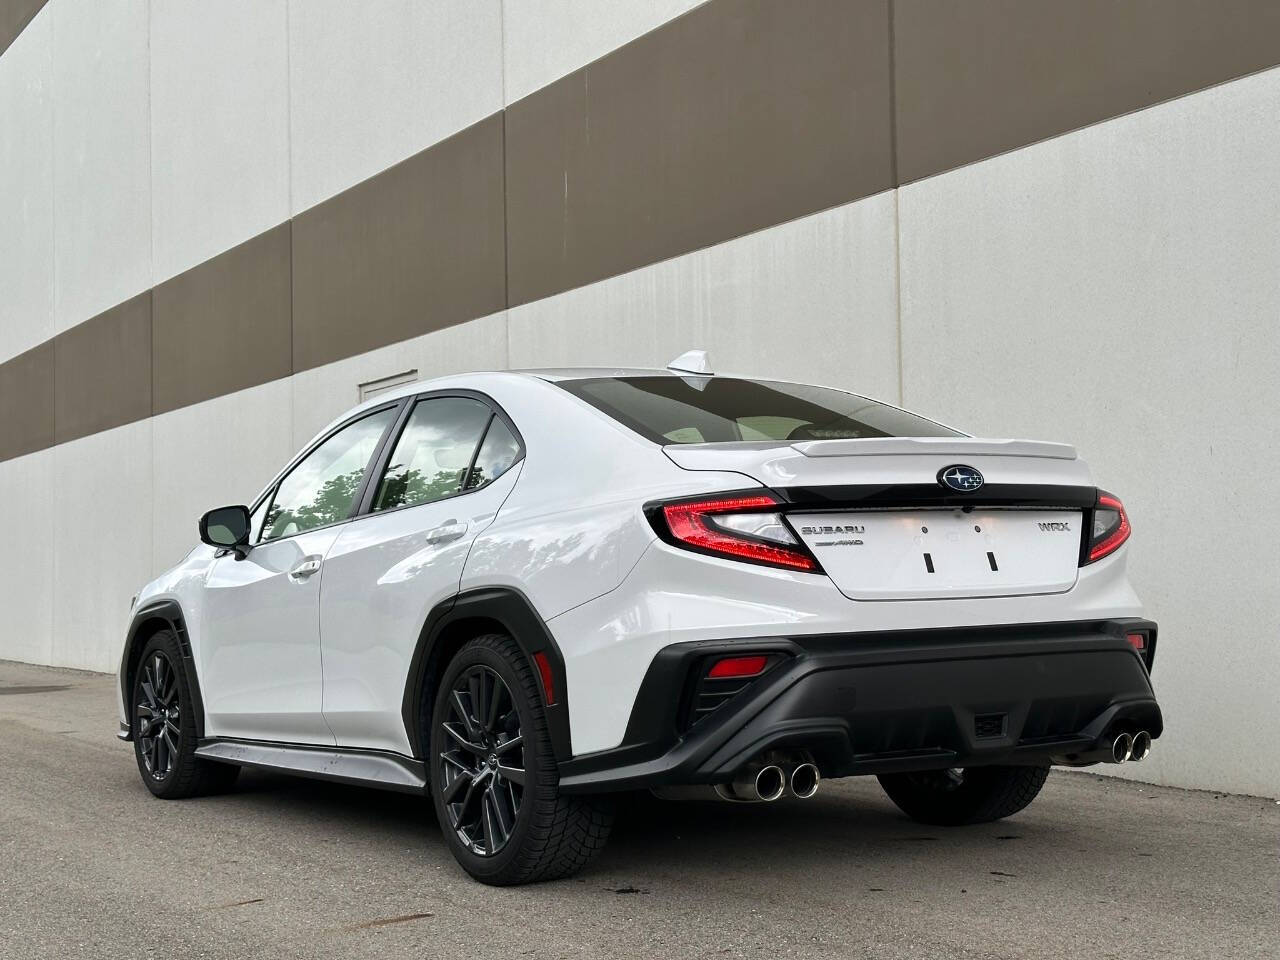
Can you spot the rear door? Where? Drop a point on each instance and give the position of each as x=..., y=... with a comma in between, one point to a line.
x=443, y=479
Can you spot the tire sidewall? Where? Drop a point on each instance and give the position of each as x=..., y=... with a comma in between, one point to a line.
x=478, y=655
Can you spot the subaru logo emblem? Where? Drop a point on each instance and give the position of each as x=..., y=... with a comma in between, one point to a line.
x=960, y=478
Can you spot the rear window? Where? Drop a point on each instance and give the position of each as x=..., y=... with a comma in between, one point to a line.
x=720, y=410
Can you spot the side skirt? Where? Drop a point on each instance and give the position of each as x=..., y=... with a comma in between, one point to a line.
x=370, y=768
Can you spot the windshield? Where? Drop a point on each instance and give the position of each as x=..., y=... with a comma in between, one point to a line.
x=718, y=410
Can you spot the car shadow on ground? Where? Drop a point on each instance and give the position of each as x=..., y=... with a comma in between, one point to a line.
x=651, y=835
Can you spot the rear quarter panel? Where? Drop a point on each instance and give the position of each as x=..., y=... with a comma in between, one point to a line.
x=574, y=526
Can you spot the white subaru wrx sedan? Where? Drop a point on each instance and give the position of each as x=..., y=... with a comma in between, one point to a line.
x=519, y=592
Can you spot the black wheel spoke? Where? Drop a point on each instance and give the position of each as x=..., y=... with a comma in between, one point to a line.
x=159, y=680
x=508, y=745
x=480, y=702
x=514, y=774
x=465, y=742
x=452, y=760
x=457, y=786
x=473, y=793
x=491, y=834
x=475, y=691
x=495, y=700
x=464, y=715
x=503, y=820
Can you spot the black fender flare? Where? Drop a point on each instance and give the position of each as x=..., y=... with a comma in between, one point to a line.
x=515, y=614
x=160, y=614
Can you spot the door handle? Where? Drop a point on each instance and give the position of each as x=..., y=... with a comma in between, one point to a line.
x=449, y=530
x=303, y=570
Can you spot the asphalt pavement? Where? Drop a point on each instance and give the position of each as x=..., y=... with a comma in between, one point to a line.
x=92, y=866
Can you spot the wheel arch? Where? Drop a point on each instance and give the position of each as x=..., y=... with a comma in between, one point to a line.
x=146, y=623
x=467, y=615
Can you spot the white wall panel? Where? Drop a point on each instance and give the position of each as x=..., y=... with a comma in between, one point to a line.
x=206, y=455
x=814, y=299
x=26, y=189
x=219, y=127
x=101, y=542
x=321, y=394
x=373, y=83
x=102, y=155
x=26, y=573
x=1119, y=287
x=545, y=39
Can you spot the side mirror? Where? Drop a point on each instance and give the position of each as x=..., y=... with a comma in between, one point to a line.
x=227, y=528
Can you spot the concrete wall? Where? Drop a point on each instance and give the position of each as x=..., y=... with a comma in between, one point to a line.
x=1115, y=286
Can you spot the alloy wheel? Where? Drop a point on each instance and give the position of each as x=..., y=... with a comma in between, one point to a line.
x=482, y=771
x=159, y=716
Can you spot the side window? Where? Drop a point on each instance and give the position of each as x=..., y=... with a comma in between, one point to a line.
x=497, y=453
x=255, y=519
x=322, y=488
x=433, y=452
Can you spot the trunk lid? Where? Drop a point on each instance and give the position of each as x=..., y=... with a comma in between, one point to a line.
x=883, y=526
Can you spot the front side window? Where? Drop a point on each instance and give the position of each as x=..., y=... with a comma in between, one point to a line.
x=323, y=487
x=725, y=410
x=433, y=453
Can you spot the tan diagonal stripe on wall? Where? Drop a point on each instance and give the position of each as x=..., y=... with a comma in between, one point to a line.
x=14, y=16
x=738, y=116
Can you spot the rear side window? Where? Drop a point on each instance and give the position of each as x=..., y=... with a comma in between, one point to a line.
x=499, y=451
x=322, y=488
x=434, y=452
x=719, y=410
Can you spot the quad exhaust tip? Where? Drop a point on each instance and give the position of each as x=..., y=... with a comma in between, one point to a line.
x=1140, y=749
x=805, y=779
x=1121, y=748
x=770, y=782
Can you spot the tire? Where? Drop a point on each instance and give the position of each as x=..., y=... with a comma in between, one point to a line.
x=974, y=795
x=168, y=762
x=548, y=835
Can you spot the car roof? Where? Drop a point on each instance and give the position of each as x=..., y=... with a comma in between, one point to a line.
x=555, y=374
x=475, y=379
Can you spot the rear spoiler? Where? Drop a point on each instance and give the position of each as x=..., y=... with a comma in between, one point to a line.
x=960, y=447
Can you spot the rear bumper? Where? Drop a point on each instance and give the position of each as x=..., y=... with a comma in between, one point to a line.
x=887, y=702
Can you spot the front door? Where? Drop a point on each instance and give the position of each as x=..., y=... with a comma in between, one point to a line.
x=261, y=675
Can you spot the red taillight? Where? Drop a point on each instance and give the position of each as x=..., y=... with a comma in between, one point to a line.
x=1110, y=527
x=737, y=526
x=548, y=678
x=738, y=667
x=1137, y=640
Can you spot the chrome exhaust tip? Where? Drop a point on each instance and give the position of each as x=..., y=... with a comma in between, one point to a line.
x=1121, y=748
x=1140, y=749
x=770, y=782
x=805, y=779
x=755, y=784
